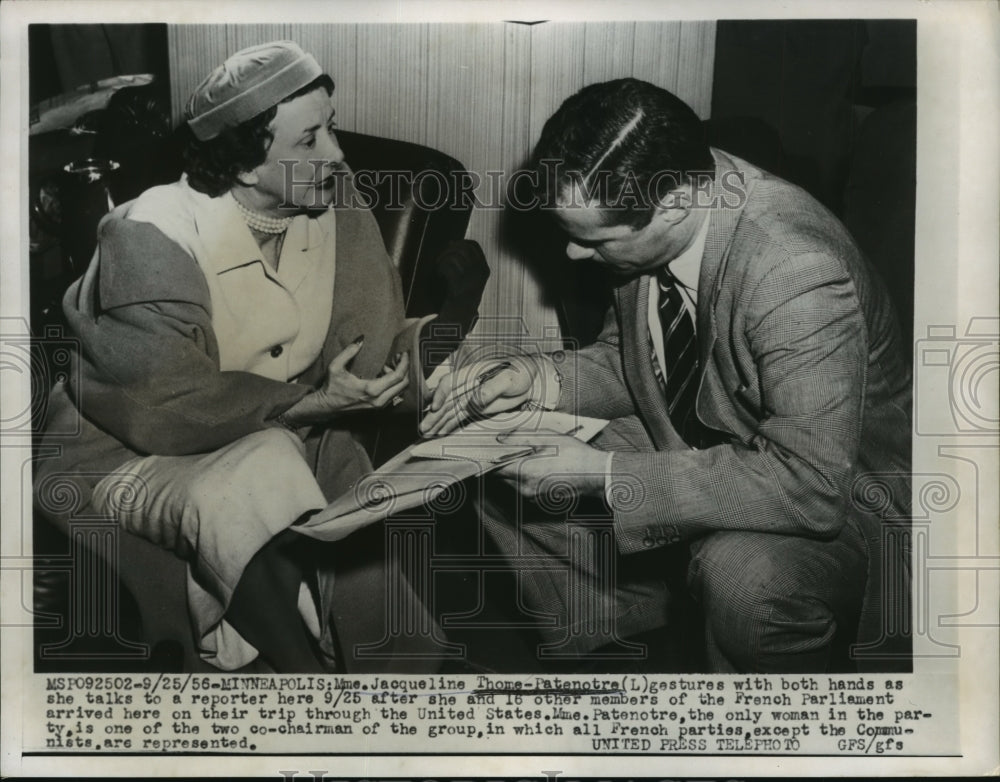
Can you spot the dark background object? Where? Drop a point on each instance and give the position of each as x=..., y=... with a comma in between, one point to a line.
x=63, y=57
x=840, y=99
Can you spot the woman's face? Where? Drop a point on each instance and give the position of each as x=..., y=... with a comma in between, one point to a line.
x=302, y=162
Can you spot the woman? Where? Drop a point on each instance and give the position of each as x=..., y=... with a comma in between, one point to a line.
x=229, y=325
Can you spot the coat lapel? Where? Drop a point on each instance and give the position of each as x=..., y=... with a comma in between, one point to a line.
x=723, y=220
x=633, y=302
x=721, y=227
x=303, y=248
x=220, y=225
x=362, y=265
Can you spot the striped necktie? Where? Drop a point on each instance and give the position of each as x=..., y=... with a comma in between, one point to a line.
x=680, y=352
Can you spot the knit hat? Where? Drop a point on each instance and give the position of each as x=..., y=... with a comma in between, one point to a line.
x=251, y=81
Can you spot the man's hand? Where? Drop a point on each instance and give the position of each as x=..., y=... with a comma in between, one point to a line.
x=558, y=459
x=344, y=392
x=481, y=389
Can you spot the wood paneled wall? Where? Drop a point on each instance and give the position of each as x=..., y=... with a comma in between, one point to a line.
x=479, y=92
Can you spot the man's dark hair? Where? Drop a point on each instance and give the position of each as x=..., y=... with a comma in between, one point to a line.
x=625, y=143
x=213, y=166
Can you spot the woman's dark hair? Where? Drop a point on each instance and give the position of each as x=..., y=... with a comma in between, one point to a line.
x=213, y=166
x=627, y=141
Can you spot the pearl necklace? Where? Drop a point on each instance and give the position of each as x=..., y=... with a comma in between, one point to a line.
x=263, y=223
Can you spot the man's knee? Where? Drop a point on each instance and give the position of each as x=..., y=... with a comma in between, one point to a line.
x=759, y=598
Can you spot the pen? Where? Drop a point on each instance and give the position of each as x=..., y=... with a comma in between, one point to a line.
x=481, y=379
x=492, y=372
x=484, y=377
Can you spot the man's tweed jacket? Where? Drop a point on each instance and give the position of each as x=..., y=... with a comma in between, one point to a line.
x=802, y=368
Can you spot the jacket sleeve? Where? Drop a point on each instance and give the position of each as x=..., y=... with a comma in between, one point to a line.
x=806, y=332
x=593, y=382
x=149, y=373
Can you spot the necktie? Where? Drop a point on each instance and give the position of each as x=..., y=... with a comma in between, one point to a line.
x=680, y=353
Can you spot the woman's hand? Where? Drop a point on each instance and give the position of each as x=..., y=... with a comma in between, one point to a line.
x=343, y=392
x=480, y=389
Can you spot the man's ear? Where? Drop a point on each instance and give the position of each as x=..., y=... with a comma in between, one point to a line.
x=675, y=204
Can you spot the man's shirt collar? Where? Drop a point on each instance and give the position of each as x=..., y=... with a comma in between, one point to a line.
x=687, y=266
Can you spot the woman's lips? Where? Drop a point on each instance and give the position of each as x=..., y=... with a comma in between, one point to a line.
x=331, y=179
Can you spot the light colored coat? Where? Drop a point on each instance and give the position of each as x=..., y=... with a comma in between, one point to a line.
x=148, y=380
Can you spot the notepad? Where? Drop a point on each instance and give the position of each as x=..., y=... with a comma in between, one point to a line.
x=423, y=471
x=477, y=441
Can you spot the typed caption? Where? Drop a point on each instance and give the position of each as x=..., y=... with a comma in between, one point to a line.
x=627, y=714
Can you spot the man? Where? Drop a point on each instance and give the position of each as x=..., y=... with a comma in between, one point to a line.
x=231, y=327
x=752, y=368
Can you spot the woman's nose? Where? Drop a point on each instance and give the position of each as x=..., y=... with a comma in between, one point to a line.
x=331, y=150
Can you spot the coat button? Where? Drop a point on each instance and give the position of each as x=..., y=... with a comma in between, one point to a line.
x=647, y=543
x=661, y=541
x=276, y=351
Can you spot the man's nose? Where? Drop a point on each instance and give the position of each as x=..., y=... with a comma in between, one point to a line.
x=577, y=253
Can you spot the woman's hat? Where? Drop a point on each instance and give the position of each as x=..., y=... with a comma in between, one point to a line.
x=251, y=81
